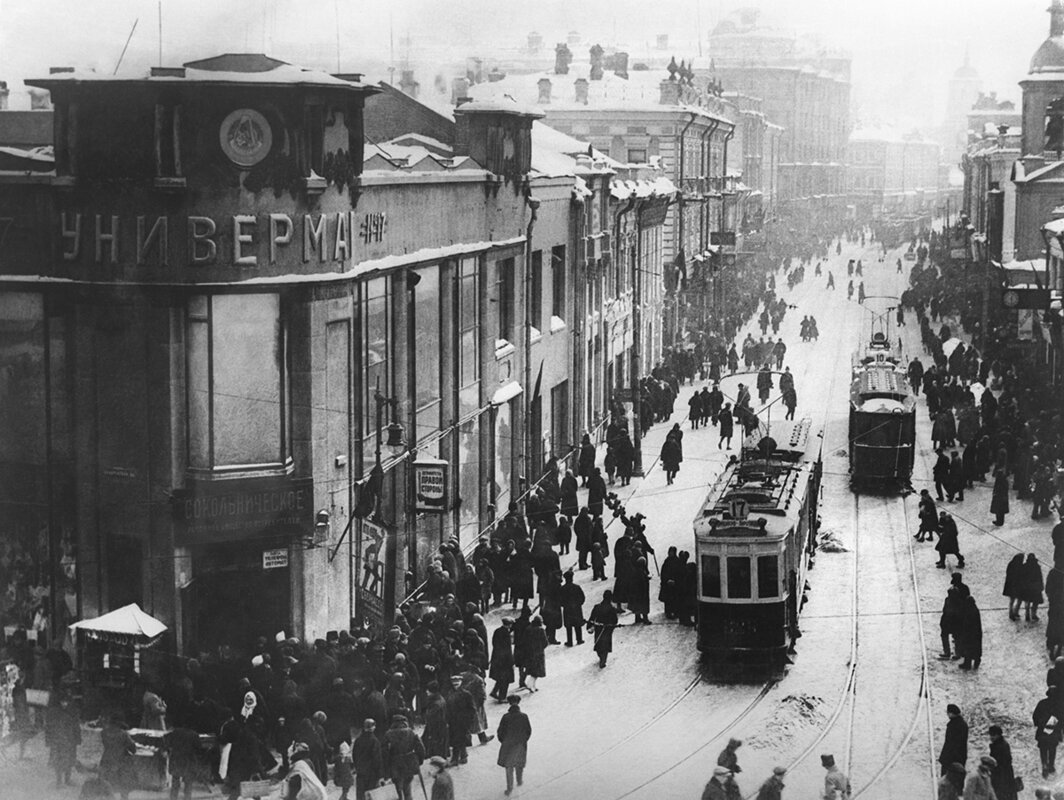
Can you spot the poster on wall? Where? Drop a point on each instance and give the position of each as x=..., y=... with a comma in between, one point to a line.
x=370, y=567
x=430, y=485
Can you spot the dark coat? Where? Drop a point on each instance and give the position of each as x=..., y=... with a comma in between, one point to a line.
x=999, y=501
x=403, y=753
x=970, y=633
x=948, y=543
x=62, y=734
x=521, y=583
x=639, y=589
x=461, y=716
x=535, y=647
x=1002, y=777
x=582, y=529
x=671, y=455
x=570, y=506
x=367, y=758
x=436, y=737
x=602, y=621
x=587, y=459
x=955, y=743
x=596, y=495
x=1031, y=582
x=513, y=733
x=724, y=419
x=1014, y=576
x=572, y=597
x=502, y=656
x=116, y=765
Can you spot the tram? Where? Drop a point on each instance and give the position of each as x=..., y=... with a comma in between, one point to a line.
x=754, y=536
x=882, y=433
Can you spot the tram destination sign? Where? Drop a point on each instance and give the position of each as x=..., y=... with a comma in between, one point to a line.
x=244, y=509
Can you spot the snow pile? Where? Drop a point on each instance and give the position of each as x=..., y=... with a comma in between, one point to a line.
x=830, y=542
x=794, y=715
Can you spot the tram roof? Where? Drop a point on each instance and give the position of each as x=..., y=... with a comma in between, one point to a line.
x=791, y=439
x=760, y=499
x=883, y=383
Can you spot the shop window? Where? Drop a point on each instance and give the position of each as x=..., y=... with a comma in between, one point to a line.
x=469, y=335
x=504, y=287
x=711, y=576
x=768, y=576
x=738, y=577
x=237, y=383
x=558, y=287
x=426, y=344
x=376, y=359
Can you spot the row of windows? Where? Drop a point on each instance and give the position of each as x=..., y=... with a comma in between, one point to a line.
x=739, y=577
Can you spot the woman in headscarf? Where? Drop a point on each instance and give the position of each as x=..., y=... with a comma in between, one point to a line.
x=248, y=755
x=301, y=782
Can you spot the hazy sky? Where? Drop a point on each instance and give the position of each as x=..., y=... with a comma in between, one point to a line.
x=904, y=51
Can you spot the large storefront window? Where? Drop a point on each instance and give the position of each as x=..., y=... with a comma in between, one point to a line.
x=426, y=354
x=504, y=443
x=469, y=482
x=237, y=383
x=25, y=582
x=376, y=361
x=468, y=337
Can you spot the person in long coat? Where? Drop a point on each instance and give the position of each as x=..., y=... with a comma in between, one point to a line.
x=970, y=634
x=978, y=786
x=536, y=646
x=639, y=590
x=955, y=742
x=1031, y=586
x=601, y=623
x=522, y=654
x=116, y=761
x=669, y=591
x=586, y=459
x=955, y=483
x=624, y=452
x=671, y=456
x=596, y=493
x=570, y=505
x=582, y=530
x=1048, y=730
x=62, y=735
x=461, y=716
x=403, y=753
x=522, y=585
x=948, y=541
x=442, y=783
x=726, y=422
x=1002, y=776
x=367, y=759
x=1013, y=585
x=436, y=738
x=572, y=597
x=514, y=731
x=999, y=500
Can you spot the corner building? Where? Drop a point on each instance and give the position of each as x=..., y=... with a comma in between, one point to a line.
x=198, y=308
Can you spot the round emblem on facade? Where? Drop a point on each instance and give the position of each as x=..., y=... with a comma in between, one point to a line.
x=246, y=137
x=1010, y=299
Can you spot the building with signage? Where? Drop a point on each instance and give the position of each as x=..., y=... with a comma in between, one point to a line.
x=242, y=357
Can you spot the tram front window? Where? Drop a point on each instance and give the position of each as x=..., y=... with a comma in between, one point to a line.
x=711, y=576
x=768, y=576
x=738, y=577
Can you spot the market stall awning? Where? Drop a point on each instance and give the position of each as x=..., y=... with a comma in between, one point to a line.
x=126, y=625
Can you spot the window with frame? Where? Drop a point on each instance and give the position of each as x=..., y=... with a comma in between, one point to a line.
x=237, y=383
x=426, y=353
x=376, y=357
x=468, y=333
x=535, y=302
x=710, y=576
x=558, y=281
x=768, y=576
x=637, y=155
x=504, y=288
x=738, y=577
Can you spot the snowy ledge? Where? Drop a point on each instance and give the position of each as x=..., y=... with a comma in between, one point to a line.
x=556, y=324
x=503, y=348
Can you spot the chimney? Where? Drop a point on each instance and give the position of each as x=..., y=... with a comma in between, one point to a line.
x=544, y=90
x=1002, y=132
x=499, y=140
x=563, y=56
x=407, y=84
x=620, y=65
x=496, y=75
x=595, y=54
x=459, y=90
x=663, y=41
x=40, y=99
x=4, y=94
x=670, y=93
x=580, y=84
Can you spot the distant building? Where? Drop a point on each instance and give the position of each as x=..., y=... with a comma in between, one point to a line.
x=805, y=91
x=964, y=90
x=891, y=173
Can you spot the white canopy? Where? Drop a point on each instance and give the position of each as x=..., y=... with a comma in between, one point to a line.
x=127, y=625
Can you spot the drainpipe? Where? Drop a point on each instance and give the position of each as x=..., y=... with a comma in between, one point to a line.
x=533, y=207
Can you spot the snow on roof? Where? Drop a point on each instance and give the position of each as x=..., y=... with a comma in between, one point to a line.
x=1055, y=227
x=640, y=91
x=624, y=189
x=234, y=68
x=555, y=154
